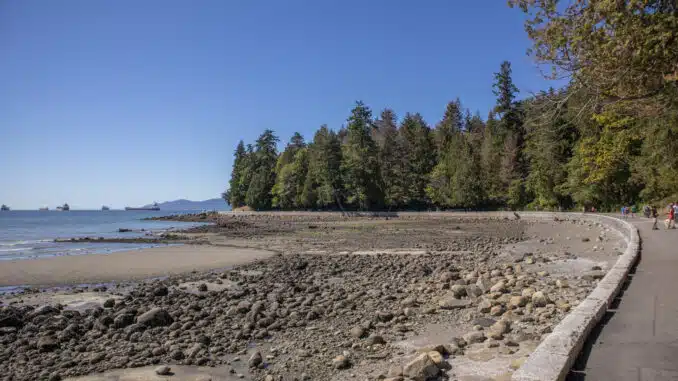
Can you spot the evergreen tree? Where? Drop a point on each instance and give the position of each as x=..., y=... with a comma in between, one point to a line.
x=263, y=172
x=360, y=165
x=323, y=187
x=392, y=160
x=420, y=157
x=235, y=195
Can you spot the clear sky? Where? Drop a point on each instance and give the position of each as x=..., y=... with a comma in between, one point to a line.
x=131, y=101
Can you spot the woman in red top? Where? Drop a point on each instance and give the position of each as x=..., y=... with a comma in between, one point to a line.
x=672, y=217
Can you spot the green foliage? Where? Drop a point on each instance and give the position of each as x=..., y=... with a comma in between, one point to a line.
x=419, y=156
x=609, y=137
x=616, y=51
x=235, y=195
x=360, y=166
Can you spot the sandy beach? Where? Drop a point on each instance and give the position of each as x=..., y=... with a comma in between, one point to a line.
x=124, y=265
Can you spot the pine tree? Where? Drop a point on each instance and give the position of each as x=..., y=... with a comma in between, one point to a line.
x=263, y=172
x=504, y=89
x=392, y=160
x=420, y=157
x=467, y=182
x=449, y=126
x=235, y=196
x=360, y=165
x=323, y=187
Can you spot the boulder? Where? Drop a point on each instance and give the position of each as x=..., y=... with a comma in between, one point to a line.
x=474, y=337
x=458, y=291
x=255, y=360
x=341, y=362
x=163, y=370
x=540, y=299
x=47, y=344
x=161, y=291
x=421, y=368
x=450, y=303
x=518, y=301
x=156, y=317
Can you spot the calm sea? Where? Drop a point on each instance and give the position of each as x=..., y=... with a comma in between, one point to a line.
x=31, y=234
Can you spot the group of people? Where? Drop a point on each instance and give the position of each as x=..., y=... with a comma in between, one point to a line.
x=650, y=211
x=625, y=210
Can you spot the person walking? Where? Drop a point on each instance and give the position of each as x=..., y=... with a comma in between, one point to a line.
x=672, y=217
x=623, y=212
x=653, y=211
x=634, y=210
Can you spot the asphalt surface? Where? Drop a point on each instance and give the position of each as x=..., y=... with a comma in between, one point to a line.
x=637, y=339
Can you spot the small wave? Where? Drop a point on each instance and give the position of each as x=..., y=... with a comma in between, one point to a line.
x=28, y=242
x=17, y=249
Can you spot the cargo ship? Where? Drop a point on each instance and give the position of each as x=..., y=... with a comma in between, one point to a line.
x=63, y=208
x=4, y=208
x=105, y=208
x=152, y=207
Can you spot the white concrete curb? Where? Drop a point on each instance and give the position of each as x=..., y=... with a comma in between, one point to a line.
x=554, y=357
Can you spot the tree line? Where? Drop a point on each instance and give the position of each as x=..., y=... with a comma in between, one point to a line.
x=608, y=137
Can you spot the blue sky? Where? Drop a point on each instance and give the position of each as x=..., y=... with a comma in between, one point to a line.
x=126, y=102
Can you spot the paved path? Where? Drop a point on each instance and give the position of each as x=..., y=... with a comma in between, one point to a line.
x=638, y=341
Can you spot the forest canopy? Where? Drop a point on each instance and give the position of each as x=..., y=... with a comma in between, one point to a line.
x=607, y=138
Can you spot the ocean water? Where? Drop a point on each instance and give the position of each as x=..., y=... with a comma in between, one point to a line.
x=31, y=234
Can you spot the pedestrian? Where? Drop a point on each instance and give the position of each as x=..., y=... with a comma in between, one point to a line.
x=623, y=212
x=653, y=211
x=672, y=217
x=634, y=210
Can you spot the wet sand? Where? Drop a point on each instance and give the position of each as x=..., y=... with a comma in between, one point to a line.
x=124, y=265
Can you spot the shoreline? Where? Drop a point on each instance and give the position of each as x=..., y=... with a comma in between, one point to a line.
x=123, y=265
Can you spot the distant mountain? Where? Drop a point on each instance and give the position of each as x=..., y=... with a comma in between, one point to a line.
x=211, y=204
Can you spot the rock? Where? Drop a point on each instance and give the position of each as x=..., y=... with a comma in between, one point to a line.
x=123, y=320
x=585, y=239
x=540, y=299
x=177, y=354
x=408, y=302
x=497, y=310
x=474, y=290
x=163, y=370
x=458, y=291
x=42, y=310
x=421, y=368
x=499, y=329
x=202, y=287
x=255, y=360
x=447, y=276
x=47, y=344
x=156, y=317
x=243, y=306
x=341, y=362
x=518, y=301
x=484, y=322
x=593, y=275
x=499, y=287
x=358, y=332
x=484, y=306
x=109, y=303
x=562, y=283
x=450, y=303
x=375, y=339
x=395, y=371
x=474, y=337
x=161, y=291
x=484, y=284
x=439, y=360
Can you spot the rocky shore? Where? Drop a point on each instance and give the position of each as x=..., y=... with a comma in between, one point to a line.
x=426, y=310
